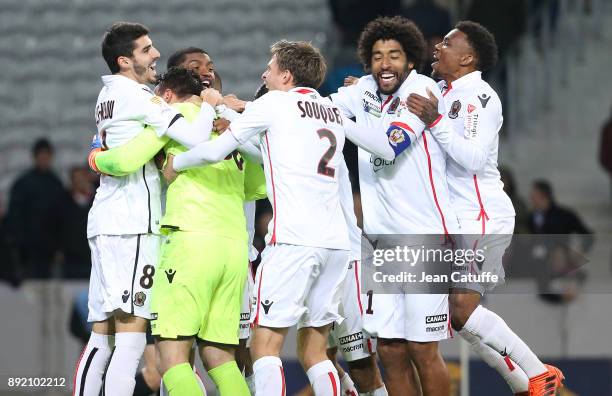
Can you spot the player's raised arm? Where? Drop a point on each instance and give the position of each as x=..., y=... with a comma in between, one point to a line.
x=254, y=120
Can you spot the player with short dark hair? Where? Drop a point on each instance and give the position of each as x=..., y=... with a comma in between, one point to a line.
x=470, y=136
x=123, y=223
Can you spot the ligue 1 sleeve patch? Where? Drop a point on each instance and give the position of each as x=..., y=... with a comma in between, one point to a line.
x=399, y=140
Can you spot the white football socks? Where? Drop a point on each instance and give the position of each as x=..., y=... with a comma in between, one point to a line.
x=269, y=376
x=119, y=380
x=494, y=332
x=514, y=376
x=323, y=378
x=92, y=364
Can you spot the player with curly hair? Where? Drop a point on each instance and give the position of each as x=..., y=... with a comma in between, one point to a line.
x=405, y=196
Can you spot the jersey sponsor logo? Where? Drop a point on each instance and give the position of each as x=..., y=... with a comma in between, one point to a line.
x=104, y=111
x=125, y=296
x=372, y=96
x=371, y=108
x=319, y=111
x=350, y=338
x=471, y=125
x=170, y=274
x=139, y=299
x=436, y=318
x=379, y=163
x=245, y=316
x=484, y=99
x=266, y=305
x=454, y=110
x=434, y=329
x=352, y=348
x=471, y=108
x=393, y=106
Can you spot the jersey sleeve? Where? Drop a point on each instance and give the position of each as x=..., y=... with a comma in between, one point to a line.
x=130, y=157
x=254, y=182
x=408, y=128
x=256, y=117
x=481, y=125
x=347, y=100
x=156, y=113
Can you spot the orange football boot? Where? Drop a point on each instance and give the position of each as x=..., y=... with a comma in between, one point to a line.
x=546, y=384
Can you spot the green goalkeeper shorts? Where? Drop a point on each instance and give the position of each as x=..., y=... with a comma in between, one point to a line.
x=197, y=288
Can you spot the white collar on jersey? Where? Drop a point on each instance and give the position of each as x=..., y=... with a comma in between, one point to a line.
x=465, y=80
x=120, y=79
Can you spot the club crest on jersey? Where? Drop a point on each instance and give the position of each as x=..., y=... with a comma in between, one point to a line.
x=139, y=299
x=396, y=136
x=454, y=110
x=393, y=106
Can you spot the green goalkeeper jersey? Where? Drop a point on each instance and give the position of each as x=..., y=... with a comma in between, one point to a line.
x=210, y=198
x=205, y=199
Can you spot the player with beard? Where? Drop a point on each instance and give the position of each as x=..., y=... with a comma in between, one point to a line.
x=123, y=223
x=485, y=212
x=408, y=195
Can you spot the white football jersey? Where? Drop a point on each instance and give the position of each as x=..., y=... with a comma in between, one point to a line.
x=301, y=138
x=408, y=195
x=127, y=204
x=475, y=113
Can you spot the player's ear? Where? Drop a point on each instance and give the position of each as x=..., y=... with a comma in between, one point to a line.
x=287, y=77
x=467, y=60
x=167, y=95
x=123, y=61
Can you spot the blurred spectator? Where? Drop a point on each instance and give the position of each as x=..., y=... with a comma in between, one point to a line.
x=520, y=207
x=563, y=276
x=549, y=218
x=560, y=273
x=33, y=217
x=75, y=208
x=350, y=16
x=434, y=22
x=605, y=149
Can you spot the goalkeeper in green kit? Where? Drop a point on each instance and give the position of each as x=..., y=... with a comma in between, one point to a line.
x=199, y=281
